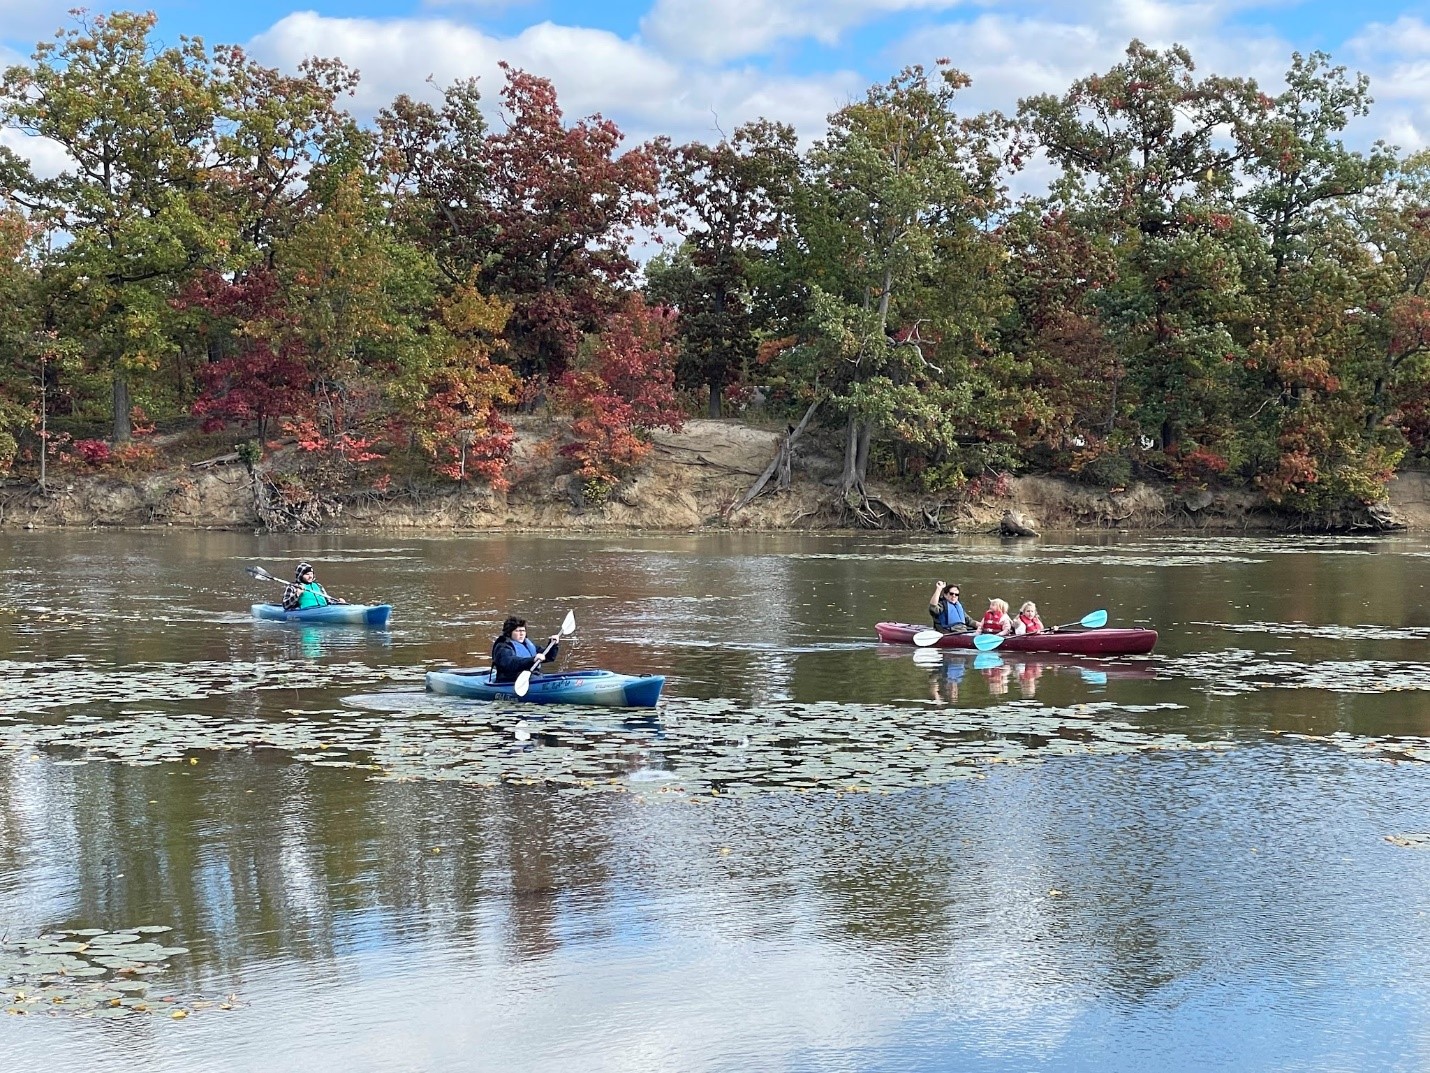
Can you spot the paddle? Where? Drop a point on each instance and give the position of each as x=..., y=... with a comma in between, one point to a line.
x=986, y=661
x=984, y=642
x=523, y=680
x=1093, y=620
x=263, y=575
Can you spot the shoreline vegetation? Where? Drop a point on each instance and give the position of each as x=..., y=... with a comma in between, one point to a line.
x=227, y=300
x=696, y=479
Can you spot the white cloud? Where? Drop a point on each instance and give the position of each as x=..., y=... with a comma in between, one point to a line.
x=47, y=158
x=716, y=30
x=593, y=71
x=673, y=79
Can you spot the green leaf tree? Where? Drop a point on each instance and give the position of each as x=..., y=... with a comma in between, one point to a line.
x=137, y=124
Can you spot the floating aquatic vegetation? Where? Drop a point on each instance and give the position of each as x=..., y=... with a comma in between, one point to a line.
x=30, y=688
x=691, y=747
x=1051, y=556
x=90, y=972
x=1367, y=632
x=1233, y=672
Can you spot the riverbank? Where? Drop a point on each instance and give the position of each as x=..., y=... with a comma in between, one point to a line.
x=694, y=479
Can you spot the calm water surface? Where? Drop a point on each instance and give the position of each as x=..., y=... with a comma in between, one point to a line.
x=820, y=853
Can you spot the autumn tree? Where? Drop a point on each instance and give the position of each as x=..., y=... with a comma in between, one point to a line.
x=451, y=392
x=732, y=202
x=899, y=182
x=1142, y=165
x=263, y=372
x=544, y=213
x=21, y=342
x=136, y=123
x=620, y=392
x=1331, y=328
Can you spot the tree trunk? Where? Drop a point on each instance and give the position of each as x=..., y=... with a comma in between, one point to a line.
x=861, y=460
x=122, y=426
x=849, y=478
x=714, y=410
x=781, y=462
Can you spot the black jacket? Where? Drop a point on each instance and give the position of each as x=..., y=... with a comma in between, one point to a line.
x=509, y=663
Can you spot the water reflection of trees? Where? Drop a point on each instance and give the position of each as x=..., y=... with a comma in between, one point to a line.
x=1111, y=876
x=246, y=857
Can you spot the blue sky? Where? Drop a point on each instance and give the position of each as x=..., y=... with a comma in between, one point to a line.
x=691, y=68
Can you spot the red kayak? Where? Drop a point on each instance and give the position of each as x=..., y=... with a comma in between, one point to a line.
x=1074, y=642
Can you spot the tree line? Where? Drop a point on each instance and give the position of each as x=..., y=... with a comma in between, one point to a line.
x=1210, y=286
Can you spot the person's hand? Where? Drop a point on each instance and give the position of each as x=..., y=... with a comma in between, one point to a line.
x=555, y=637
x=536, y=661
x=940, y=585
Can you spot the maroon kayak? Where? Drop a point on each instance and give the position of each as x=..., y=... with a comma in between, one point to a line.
x=1075, y=642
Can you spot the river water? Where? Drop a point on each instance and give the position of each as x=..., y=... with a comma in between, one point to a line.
x=819, y=853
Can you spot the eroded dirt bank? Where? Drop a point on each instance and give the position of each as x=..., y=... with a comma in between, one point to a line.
x=692, y=481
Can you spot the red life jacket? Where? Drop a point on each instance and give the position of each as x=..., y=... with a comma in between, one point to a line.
x=995, y=622
x=1031, y=624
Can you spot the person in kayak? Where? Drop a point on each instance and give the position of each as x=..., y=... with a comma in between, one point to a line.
x=512, y=653
x=947, y=612
x=996, y=619
x=1028, y=620
x=304, y=591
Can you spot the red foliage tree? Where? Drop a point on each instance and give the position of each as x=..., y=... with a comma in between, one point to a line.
x=261, y=372
x=626, y=389
x=563, y=208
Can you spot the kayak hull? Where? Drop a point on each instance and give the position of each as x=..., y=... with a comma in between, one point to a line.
x=340, y=614
x=1077, y=642
x=606, y=689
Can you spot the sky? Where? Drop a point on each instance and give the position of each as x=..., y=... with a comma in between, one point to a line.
x=692, y=69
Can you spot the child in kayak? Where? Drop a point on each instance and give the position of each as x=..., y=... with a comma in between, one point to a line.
x=996, y=620
x=1028, y=620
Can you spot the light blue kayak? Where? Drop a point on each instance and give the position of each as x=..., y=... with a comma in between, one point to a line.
x=606, y=689
x=340, y=614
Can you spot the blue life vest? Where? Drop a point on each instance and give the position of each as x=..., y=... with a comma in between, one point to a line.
x=525, y=648
x=950, y=615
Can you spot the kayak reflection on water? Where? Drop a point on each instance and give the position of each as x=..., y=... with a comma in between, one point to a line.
x=948, y=671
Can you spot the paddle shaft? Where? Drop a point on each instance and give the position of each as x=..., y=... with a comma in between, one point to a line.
x=1093, y=620
x=263, y=575
x=523, y=680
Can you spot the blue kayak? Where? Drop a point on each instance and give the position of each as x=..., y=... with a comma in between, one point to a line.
x=604, y=688
x=341, y=614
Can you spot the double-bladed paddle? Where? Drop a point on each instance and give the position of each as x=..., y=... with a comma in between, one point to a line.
x=1093, y=620
x=523, y=680
x=984, y=642
x=263, y=575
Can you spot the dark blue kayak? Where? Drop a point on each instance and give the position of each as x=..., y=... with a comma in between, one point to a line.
x=603, y=688
x=341, y=614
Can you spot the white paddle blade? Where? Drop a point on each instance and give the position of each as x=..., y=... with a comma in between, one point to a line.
x=924, y=638
x=523, y=683
x=1095, y=620
x=987, y=642
x=568, y=624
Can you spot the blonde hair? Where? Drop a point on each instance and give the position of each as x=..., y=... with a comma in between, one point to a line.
x=999, y=605
x=1029, y=606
